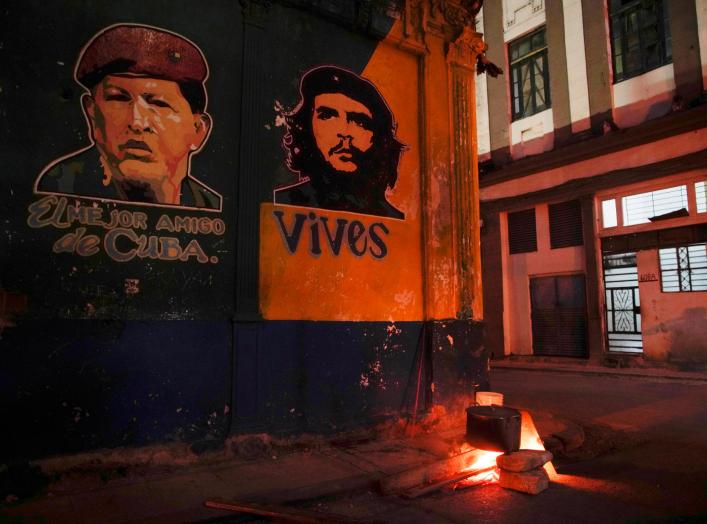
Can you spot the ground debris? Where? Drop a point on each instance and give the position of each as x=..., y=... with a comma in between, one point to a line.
x=572, y=437
x=252, y=447
x=20, y=479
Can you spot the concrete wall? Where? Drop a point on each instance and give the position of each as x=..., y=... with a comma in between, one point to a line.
x=644, y=97
x=576, y=65
x=674, y=324
x=583, y=93
x=523, y=266
x=701, y=12
x=297, y=312
x=483, y=134
x=591, y=99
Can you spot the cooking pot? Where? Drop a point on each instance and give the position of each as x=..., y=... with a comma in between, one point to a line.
x=493, y=428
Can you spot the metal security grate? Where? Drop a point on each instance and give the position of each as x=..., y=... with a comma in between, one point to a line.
x=683, y=268
x=565, y=224
x=521, y=232
x=644, y=207
x=559, y=315
x=623, y=303
x=701, y=196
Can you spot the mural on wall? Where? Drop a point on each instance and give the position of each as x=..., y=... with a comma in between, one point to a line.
x=343, y=228
x=340, y=141
x=145, y=105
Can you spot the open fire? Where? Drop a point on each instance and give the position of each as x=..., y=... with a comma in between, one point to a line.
x=526, y=470
x=483, y=469
x=482, y=466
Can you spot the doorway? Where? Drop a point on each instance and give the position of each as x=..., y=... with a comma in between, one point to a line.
x=559, y=315
x=623, y=303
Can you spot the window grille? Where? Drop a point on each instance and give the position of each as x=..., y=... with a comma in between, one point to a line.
x=530, y=81
x=650, y=206
x=701, y=196
x=566, y=224
x=640, y=36
x=683, y=268
x=521, y=232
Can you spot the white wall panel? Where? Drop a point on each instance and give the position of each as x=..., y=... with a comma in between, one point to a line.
x=532, y=135
x=521, y=16
x=483, y=134
x=644, y=97
x=701, y=7
x=576, y=65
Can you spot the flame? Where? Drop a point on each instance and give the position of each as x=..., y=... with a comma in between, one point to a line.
x=483, y=468
x=530, y=439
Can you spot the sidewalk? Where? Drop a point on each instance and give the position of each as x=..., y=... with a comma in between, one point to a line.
x=178, y=494
x=157, y=494
x=643, y=456
x=587, y=368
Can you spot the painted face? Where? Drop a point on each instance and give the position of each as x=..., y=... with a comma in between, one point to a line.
x=342, y=129
x=145, y=128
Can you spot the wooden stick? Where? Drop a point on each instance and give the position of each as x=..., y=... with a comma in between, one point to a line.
x=429, y=488
x=427, y=473
x=282, y=513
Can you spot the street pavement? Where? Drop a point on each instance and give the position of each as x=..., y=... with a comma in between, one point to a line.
x=658, y=474
x=649, y=464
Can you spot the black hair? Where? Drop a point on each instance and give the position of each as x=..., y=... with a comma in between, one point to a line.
x=303, y=156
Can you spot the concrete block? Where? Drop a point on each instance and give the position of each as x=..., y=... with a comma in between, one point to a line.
x=531, y=482
x=523, y=460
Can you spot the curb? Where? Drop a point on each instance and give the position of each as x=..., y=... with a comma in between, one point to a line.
x=659, y=374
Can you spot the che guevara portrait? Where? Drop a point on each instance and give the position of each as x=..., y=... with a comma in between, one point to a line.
x=145, y=103
x=340, y=142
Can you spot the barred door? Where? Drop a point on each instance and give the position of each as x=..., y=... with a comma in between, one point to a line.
x=623, y=303
x=559, y=315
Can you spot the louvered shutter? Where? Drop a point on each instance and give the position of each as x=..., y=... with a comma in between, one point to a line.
x=566, y=224
x=521, y=231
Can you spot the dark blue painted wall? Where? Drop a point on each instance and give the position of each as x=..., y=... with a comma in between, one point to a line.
x=67, y=386
x=322, y=376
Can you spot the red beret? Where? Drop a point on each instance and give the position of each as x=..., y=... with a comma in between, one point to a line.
x=140, y=50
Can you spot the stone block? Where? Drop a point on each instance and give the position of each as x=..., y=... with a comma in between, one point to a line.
x=553, y=445
x=531, y=482
x=572, y=437
x=523, y=460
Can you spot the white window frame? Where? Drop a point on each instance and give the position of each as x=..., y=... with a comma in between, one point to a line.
x=689, y=179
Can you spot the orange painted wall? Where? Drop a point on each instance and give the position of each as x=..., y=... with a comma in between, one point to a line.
x=302, y=286
x=674, y=324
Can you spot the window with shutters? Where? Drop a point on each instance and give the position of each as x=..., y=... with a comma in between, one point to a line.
x=566, y=224
x=640, y=36
x=521, y=232
x=530, y=83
